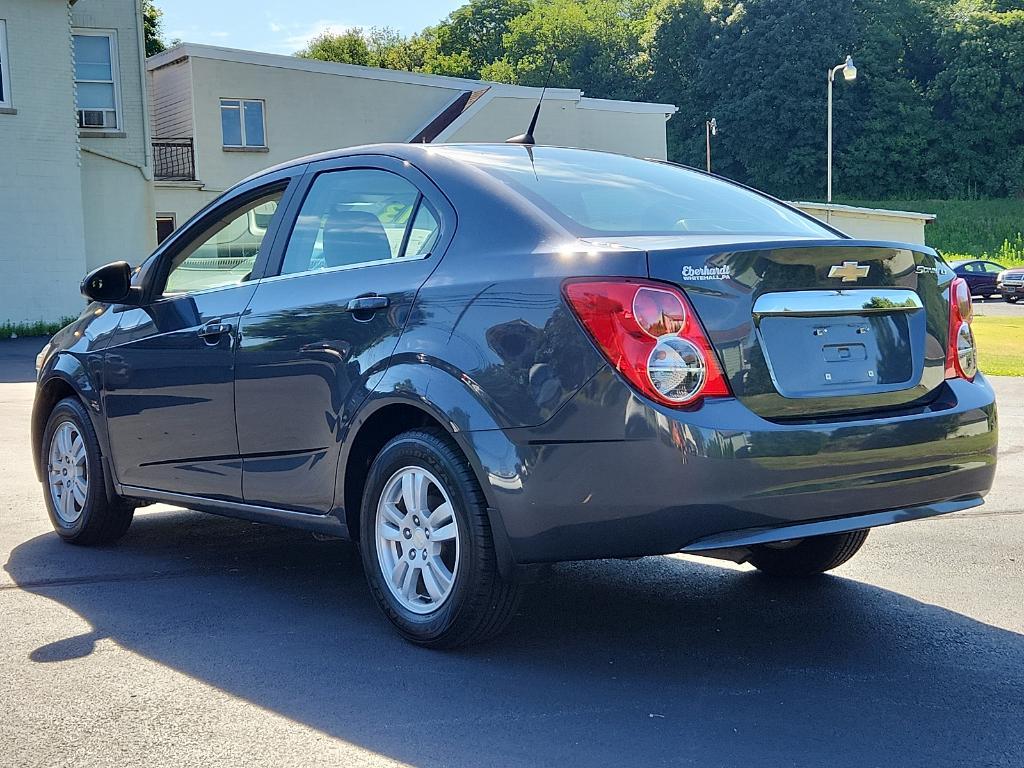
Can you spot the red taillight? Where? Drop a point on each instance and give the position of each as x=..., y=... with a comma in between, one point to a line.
x=961, y=354
x=651, y=334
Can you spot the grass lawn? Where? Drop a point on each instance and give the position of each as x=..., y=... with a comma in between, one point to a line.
x=1000, y=345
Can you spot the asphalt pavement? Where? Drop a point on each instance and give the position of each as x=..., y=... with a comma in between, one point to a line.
x=203, y=641
x=998, y=308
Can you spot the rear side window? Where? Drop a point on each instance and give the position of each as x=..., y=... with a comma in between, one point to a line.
x=423, y=233
x=357, y=217
x=597, y=193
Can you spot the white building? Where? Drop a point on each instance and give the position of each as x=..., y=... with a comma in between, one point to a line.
x=75, y=169
x=220, y=114
x=871, y=223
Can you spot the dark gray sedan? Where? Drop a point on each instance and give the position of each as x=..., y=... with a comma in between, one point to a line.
x=474, y=359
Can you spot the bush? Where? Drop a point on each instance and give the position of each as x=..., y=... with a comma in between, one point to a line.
x=1009, y=254
x=38, y=328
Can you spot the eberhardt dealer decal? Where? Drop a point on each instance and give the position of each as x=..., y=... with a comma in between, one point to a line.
x=706, y=273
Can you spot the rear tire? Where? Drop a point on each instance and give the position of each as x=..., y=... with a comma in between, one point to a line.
x=456, y=596
x=808, y=557
x=1010, y=299
x=74, y=487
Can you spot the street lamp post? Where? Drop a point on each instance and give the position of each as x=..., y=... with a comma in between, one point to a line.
x=711, y=129
x=849, y=74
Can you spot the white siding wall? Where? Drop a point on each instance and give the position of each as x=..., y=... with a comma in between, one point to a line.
x=171, y=99
x=641, y=134
x=306, y=112
x=563, y=122
x=42, y=251
x=871, y=223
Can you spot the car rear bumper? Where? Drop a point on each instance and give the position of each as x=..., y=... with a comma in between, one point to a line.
x=750, y=537
x=613, y=476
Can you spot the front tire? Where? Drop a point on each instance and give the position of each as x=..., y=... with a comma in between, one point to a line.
x=75, y=486
x=807, y=557
x=427, y=547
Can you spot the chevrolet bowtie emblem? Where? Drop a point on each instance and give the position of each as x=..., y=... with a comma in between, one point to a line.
x=850, y=271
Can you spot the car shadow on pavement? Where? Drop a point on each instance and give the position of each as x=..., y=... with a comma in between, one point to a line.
x=658, y=661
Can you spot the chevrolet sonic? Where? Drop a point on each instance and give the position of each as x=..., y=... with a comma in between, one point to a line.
x=471, y=359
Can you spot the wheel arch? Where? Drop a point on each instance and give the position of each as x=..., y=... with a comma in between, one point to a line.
x=63, y=377
x=401, y=403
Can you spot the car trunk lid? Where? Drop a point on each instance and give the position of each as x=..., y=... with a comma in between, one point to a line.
x=814, y=328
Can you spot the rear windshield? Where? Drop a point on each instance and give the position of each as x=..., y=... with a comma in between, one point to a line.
x=596, y=193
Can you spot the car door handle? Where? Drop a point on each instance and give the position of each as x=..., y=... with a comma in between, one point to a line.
x=214, y=329
x=367, y=304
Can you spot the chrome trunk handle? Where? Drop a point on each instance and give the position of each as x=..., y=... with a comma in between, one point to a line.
x=837, y=302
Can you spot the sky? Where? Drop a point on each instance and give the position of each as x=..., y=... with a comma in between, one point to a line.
x=284, y=27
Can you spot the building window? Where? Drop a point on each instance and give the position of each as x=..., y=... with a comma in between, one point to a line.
x=165, y=224
x=242, y=123
x=96, y=81
x=5, y=73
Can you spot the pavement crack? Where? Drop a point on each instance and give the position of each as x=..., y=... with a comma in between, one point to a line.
x=72, y=581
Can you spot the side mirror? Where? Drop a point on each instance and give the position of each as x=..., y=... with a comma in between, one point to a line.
x=110, y=284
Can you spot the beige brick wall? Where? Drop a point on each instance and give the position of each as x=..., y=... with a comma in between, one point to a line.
x=42, y=249
x=117, y=186
x=122, y=17
x=68, y=202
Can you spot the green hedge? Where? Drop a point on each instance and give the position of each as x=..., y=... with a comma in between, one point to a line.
x=38, y=328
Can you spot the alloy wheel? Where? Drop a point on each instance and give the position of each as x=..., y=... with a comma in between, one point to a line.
x=68, y=472
x=417, y=534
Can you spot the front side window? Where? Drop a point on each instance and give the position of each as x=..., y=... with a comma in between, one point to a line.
x=242, y=123
x=225, y=253
x=357, y=217
x=599, y=193
x=96, y=95
x=5, y=73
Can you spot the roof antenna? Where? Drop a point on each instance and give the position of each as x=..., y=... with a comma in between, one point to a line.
x=527, y=138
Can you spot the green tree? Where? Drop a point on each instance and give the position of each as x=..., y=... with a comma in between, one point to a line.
x=979, y=103
x=348, y=47
x=759, y=67
x=377, y=47
x=887, y=142
x=473, y=36
x=763, y=78
x=152, y=28
x=595, y=45
x=677, y=40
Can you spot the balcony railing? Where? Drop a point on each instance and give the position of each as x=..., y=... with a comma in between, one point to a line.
x=174, y=160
